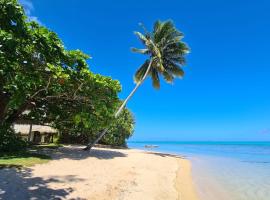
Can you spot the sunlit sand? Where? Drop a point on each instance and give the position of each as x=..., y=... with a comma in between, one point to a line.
x=103, y=174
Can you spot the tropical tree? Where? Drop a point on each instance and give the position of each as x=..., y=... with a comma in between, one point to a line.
x=166, y=56
x=43, y=82
x=121, y=129
x=38, y=75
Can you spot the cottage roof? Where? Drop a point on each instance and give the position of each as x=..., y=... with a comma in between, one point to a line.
x=24, y=128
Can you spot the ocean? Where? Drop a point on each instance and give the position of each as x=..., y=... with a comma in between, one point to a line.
x=223, y=170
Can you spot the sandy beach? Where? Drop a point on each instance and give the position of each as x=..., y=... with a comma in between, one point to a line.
x=102, y=174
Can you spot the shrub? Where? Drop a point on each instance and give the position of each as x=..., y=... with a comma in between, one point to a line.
x=9, y=142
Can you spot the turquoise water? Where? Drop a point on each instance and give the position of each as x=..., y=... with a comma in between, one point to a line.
x=224, y=170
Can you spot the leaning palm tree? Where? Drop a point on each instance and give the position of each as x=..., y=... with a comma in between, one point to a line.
x=166, y=56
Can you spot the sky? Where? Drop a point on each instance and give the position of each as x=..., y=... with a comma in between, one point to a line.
x=225, y=94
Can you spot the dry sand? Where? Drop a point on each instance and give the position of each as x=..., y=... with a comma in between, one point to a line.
x=102, y=174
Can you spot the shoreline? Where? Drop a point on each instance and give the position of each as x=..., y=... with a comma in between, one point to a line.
x=184, y=183
x=103, y=174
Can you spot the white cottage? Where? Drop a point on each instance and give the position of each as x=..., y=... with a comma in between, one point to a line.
x=35, y=133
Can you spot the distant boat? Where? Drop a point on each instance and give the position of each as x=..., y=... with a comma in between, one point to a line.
x=150, y=146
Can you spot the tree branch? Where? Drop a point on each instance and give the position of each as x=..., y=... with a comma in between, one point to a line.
x=79, y=88
x=43, y=89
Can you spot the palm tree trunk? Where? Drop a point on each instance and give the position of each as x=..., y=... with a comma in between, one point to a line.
x=121, y=108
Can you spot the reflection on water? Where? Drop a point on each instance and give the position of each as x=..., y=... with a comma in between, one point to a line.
x=224, y=170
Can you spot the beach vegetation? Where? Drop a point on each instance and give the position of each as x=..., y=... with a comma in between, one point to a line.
x=121, y=129
x=20, y=159
x=42, y=82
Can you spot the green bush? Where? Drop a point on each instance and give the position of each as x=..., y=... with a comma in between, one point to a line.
x=120, y=130
x=9, y=142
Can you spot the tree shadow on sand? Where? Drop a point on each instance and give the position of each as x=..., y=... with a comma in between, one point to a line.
x=20, y=184
x=17, y=182
x=76, y=153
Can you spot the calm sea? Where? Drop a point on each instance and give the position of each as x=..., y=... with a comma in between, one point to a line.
x=224, y=170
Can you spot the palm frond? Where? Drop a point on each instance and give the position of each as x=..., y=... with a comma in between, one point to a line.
x=141, y=37
x=175, y=69
x=141, y=71
x=146, y=40
x=155, y=78
x=157, y=26
x=168, y=77
x=176, y=49
x=178, y=59
x=145, y=30
x=160, y=30
x=165, y=43
x=142, y=51
x=166, y=33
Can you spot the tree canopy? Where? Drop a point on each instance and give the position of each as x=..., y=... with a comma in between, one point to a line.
x=42, y=81
x=166, y=52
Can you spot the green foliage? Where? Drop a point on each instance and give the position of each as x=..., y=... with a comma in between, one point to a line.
x=166, y=52
x=121, y=129
x=9, y=142
x=43, y=82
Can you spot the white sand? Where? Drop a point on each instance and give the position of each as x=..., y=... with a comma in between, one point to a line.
x=102, y=174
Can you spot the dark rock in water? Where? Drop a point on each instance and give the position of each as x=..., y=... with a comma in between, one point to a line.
x=150, y=146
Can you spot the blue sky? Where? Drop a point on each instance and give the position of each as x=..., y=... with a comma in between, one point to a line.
x=225, y=94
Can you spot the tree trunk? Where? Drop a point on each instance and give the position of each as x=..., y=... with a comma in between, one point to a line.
x=14, y=116
x=121, y=108
x=30, y=133
x=4, y=99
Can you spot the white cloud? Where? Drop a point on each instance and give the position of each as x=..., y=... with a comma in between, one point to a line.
x=28, y=8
